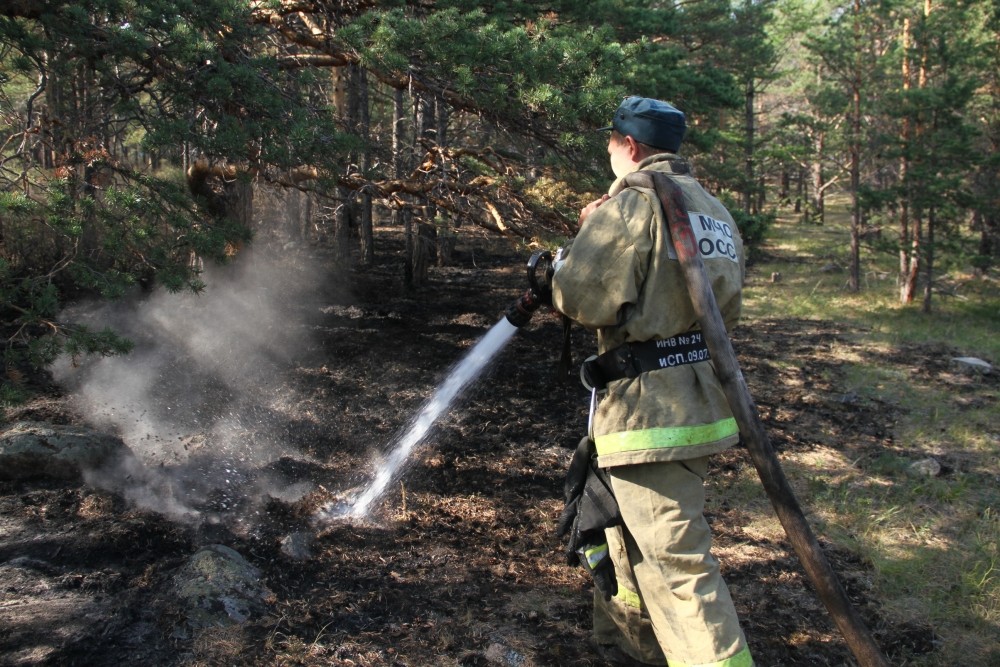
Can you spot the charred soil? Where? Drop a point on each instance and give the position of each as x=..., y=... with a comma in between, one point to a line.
x=459, y=565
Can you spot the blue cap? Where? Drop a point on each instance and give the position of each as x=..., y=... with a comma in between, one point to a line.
x=650, y=122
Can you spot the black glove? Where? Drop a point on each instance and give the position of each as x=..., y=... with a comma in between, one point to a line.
x=597, y=561
x=590, y=508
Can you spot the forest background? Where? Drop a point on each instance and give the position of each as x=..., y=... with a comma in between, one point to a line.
x=143, y=140
x=138, y=136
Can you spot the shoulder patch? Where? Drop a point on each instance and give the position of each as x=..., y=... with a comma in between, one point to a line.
x=714, y=238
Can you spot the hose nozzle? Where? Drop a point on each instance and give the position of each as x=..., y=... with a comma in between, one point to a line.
x=520, y=312
x=539, y=289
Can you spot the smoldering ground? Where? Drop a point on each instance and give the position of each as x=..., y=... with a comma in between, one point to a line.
x=197, y=401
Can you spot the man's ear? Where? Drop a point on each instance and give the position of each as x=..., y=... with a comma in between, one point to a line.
x=634, y=150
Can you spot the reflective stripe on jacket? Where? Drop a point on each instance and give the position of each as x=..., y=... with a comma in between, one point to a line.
x=620, y=277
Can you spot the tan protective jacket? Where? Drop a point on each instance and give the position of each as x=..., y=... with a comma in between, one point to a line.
x=621, y=278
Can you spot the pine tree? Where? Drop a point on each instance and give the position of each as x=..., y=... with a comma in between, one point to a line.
x=145, y=130
x=102, y=101
x=851, y=48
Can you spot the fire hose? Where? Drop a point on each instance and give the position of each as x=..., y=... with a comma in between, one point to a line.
x=773, y=479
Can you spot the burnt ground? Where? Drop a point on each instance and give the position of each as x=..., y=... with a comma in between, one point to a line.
x=460, y=564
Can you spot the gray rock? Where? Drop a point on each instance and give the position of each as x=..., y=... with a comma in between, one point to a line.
x=297, y=546
x=971, y=366
x=928, y=467
x=218, y=588
x=35, y=449
x=501, y=654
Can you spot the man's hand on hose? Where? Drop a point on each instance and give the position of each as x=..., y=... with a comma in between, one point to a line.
x=590, y=208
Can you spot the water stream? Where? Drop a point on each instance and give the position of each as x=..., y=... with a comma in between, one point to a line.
x=467, y=370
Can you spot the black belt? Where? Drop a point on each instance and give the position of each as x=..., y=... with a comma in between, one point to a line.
x=629, y=360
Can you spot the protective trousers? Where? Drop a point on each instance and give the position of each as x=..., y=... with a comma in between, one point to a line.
x=672, y=602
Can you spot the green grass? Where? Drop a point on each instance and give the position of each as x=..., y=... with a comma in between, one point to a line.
x=813, y=261
x=934, y=543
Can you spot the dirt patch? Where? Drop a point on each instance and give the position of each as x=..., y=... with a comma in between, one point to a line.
x=460, y=565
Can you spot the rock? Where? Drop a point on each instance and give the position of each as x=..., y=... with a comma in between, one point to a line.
x=928, y=467
x=850, y=398
x=501, y=654
x=218, y=587
x=297, y=546
x=812, y=399
x=832, y=267
x=971, y=366
x=35, y=449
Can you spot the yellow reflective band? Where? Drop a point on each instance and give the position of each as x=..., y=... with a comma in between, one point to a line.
x=741, y=659
x=627, y=597
x=662, y=438
x=594, y=555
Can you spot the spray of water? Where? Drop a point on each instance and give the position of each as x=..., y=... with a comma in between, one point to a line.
x=467, y=370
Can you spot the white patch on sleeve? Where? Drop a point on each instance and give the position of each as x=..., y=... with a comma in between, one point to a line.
x=714, y=238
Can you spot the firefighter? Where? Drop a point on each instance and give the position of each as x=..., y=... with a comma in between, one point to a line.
x=658, y=410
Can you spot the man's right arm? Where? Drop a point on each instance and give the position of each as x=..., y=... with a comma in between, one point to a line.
x=598, y=274
x=590, y=208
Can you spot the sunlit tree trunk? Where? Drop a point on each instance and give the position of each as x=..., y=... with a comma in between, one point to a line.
x=855, y=151
x=909, y=288
x=905, y=256
x=817, y=199
x=929, y=263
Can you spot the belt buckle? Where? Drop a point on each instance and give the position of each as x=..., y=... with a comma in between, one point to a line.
x=627, y=360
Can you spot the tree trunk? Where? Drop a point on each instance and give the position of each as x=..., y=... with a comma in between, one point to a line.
x=342, y=225
x=445, y=237
x=85, y=97
x=400, y=216
x=238, y=194
x=366, y=233
x=905, y=288
x=341, y=98
x=816, y=206
x=748, y=147
x=908, y=290
x=800, y=184
x=303, y=205
x=424, y=128
x=929, y=264
x=425, y=251
x=909, y=287
x=989, y=233
x=855, y=149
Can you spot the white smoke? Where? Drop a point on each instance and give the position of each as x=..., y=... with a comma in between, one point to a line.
x=201, y=399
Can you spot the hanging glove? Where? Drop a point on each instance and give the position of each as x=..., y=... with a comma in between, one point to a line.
x=597, y=561
x=590, y=508
x=576, y=479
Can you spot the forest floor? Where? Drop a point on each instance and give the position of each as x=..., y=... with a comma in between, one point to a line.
x=459, y=563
